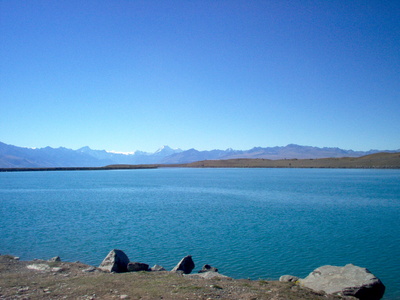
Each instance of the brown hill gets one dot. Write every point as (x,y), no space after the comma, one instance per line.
(377,161)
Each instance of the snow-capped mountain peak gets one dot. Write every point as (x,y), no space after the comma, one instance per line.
(166,150)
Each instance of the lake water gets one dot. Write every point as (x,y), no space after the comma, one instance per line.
(249,223)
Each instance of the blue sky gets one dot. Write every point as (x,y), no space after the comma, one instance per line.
(136,75)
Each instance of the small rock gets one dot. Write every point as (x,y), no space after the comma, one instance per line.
(9,256)
(90,269)
(216,287)
(137,266)
(295,288)
(54,259)
(157,268)
(24,289)
(124,297)
(288,278)
(208,268)
(116,261)
(180,273)
(39,267)
(56,269)
(207,275)
(186,265)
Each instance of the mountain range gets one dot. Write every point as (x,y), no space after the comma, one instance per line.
(20,157)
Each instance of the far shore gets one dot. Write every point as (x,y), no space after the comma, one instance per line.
(114,167)
(373,161)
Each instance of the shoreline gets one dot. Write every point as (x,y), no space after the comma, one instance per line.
(42,279)
(117,167)
(56,279)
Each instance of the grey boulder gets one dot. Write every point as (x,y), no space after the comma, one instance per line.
(349,280)
(186,265)
(116,261)
(288,278)
(55,259)
(137,266)
(208,268)
(157,268)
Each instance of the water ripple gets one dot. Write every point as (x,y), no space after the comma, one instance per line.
(259,223)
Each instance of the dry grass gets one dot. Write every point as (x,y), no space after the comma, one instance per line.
(68,281)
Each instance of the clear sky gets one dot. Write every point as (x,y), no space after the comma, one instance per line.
(135,75)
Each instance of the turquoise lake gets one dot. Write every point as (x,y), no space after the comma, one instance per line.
(249,223)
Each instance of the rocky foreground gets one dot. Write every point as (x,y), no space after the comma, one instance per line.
(119,278)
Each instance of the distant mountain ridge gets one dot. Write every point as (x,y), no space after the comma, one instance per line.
(20,157)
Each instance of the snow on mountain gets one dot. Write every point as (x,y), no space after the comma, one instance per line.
(166,150)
